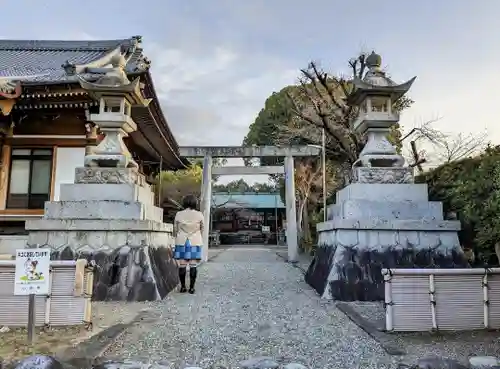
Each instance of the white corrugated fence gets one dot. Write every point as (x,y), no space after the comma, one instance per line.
(68,302)
(418,300)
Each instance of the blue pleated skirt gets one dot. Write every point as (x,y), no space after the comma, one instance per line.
(187,252)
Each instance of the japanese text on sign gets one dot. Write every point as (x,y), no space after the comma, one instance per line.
(32,272)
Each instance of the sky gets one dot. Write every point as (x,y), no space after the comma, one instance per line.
(214,62)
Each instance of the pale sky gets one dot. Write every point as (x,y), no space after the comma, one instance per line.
(215,62)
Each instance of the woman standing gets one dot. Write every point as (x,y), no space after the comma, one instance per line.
(188,230)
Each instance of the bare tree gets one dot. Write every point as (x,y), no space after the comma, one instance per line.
(459,146)
(308,186)
(442,147)
(318,103)
(422,132)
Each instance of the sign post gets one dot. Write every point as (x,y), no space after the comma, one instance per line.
(32,279)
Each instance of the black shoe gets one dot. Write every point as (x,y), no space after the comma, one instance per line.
(191,291)
(183,290)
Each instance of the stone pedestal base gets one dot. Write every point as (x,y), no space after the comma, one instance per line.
(108,216)
(348,264)
(376,226)
(134,258)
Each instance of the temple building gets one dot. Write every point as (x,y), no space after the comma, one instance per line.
(248,217)
(44,121)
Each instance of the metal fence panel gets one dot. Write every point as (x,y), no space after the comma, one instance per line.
(61,307)
(442,299)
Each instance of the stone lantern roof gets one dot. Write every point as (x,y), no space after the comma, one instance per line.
(376,83)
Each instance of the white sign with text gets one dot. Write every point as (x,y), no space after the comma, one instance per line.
(32,272)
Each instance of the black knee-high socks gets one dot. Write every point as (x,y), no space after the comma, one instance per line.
(193,272)
(182,277)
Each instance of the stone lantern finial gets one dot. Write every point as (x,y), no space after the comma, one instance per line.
(373,60)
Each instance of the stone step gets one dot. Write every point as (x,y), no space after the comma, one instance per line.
(106,191)
(411,210)
(381,224)
(83,225)
(383,192)
(107,210)
(98,240)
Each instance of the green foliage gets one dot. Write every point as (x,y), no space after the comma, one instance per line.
(471,188)
(176,185)
(395,136)
(265,129)
(241,185)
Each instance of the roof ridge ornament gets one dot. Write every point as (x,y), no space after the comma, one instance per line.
(10,86)
(10,89)
(131,51)
(115,75)
(114,81)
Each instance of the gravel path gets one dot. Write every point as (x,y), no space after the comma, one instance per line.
(249,303)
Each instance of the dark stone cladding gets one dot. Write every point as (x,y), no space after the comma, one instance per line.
(360,270)
(129,273)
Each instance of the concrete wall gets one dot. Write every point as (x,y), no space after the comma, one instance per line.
(67,160)
(9,244)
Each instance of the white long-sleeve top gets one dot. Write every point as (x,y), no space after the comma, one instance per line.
(188,224)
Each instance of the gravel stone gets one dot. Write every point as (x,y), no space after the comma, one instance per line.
(263,362)
(4,329)
(249,304)
(483,362)
(126,364)
(39,362)
(438,363)
(294,366)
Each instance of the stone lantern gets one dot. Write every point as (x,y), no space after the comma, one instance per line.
(108,214)
(374,96)
(116,96)
(383,219)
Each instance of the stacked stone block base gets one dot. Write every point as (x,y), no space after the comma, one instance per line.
(108,216)
(374,226)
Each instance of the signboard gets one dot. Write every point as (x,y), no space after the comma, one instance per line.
(266,229)
(32,272)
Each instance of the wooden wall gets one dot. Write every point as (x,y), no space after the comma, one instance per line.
(69,125)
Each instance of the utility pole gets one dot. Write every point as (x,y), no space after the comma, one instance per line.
(323,168)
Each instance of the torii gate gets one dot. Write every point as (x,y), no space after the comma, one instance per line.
(288,152)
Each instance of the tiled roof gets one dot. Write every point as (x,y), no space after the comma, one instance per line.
(39,61)
(247,200)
